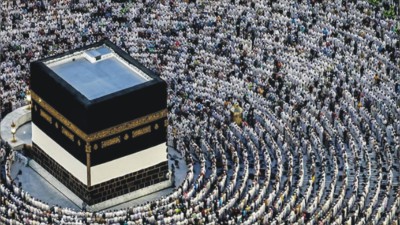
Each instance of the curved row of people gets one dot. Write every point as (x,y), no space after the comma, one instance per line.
(318,84)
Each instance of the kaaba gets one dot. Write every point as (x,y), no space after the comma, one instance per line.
(99,122)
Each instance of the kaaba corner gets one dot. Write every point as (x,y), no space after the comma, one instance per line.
(99,122)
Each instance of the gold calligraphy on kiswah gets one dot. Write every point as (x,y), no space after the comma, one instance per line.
(141,131)
(103,133)
(46,116)
(111,141)
(67,133)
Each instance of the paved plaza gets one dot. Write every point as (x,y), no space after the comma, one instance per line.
(40,188)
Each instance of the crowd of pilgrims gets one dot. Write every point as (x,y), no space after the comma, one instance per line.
(315,83)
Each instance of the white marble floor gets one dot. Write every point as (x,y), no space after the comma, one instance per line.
(40,188)
(24,133)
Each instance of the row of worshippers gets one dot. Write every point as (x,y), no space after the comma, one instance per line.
(294,64)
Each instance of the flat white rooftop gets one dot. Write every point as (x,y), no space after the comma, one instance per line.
(97,72)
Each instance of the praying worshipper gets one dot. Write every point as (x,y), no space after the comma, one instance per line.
(314,85)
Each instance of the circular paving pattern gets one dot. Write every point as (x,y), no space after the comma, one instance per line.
(289,110)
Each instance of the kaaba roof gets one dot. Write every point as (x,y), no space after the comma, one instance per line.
(95,86)
(97,71)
